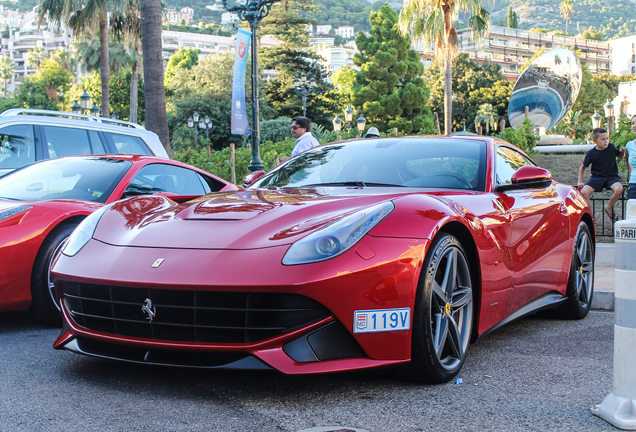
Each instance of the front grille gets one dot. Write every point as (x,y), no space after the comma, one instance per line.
(188,316)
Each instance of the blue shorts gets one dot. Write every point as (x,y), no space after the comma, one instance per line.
(631,192)
(600,183)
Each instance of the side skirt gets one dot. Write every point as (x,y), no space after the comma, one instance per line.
(546,301)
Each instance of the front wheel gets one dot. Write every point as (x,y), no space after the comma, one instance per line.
(44,302)
(442,315)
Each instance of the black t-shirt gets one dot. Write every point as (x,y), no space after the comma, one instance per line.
(603,161)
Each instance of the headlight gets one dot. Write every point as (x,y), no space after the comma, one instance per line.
(336,238)
(13,211)
(84,232)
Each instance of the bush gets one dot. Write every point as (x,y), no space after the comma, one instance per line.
(524,137)
(219,161)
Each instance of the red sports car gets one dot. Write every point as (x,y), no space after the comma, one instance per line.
(358,254)
(41,204)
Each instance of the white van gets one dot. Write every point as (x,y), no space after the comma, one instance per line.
(29,135)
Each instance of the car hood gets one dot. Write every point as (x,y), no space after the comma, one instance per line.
(247,219)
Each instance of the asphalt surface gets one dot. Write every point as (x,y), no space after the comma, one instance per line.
(533,375)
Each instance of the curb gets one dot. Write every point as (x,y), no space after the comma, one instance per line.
(603,300)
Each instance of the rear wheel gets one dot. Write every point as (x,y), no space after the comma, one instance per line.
(443,314)
(45,304)
(581,280)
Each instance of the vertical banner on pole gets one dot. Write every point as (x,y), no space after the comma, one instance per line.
(240,125)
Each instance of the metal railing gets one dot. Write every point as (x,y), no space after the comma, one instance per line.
(604,225)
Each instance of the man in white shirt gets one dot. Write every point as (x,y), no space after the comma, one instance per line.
(301,130)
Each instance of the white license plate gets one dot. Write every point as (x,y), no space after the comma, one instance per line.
(381,320)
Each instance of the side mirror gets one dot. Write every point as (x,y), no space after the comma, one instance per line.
(252,177)
(527,177)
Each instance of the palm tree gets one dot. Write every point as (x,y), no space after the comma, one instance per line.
(88,52)
(66,58)
(35,57)
(488,115)
(155,92)
(432,21)
(84,17)
(126,25)
(6,71)
(566,7)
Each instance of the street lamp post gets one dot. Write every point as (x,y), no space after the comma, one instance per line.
(303,88)
(253,12)
(609,114)
(208,126)
(196,123)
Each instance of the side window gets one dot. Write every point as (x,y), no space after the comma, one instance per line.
(96,143)
(128,144)
(64,141)
(507,162)
(17,146)
(167,178)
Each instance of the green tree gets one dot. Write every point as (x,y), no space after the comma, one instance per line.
(45,88)
(183,59)
(84,18)
(287,22)
(567,8)
(497,94)
(592,96)
(592,34)
(6,71)
(432,21)
(126,26)
(389,88)
(513,18)
(487,116)
(468,76)
(343,80)
(35,57)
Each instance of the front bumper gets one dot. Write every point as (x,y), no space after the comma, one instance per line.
(379,273)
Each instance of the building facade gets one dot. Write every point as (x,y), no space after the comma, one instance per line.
(624,55)
(511,48)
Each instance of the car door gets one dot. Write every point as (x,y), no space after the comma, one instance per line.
(539,234)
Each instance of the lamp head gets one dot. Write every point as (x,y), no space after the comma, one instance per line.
(361,123)
(190,122)
(95,110)
(85,100)
(596,120)
(348,112)
(337,124)
(195,117)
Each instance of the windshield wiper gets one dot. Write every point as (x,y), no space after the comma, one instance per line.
(354,183)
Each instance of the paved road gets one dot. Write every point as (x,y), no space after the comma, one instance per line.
(534,375)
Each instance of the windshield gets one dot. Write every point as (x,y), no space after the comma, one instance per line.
(398,162)
(88,179)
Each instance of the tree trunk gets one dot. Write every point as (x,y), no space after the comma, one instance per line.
(104,66)
(155,92)
(448,74)
(134,79)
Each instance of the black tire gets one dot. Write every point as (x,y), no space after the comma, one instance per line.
(580,288)
(45,304)
(442,314)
